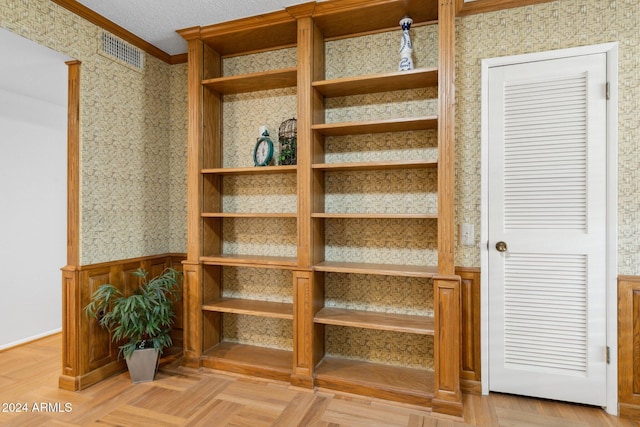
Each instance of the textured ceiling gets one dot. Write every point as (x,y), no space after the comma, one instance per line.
(156,21)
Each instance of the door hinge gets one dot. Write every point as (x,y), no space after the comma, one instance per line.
(608,91)
(608,355)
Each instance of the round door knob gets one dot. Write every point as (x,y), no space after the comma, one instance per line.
(501,246)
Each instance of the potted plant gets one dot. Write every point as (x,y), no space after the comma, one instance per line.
(142,320)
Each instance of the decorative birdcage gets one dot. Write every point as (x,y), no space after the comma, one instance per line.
(288,138)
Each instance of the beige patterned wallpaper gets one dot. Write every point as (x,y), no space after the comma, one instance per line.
(391,348)
(132,136)
(386,294)
(554,25)
(266,284)
(261,284)
(378,53)
(177,160)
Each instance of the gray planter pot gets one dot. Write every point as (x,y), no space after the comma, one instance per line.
(143,365)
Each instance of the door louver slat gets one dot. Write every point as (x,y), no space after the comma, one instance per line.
(546,297)
(546,134)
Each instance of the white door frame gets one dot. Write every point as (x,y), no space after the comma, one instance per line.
(611,50)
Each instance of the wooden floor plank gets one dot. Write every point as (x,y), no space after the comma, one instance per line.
(294,412)
(190,397)
(315,411)
(217,410)
(128,415)
(511,417)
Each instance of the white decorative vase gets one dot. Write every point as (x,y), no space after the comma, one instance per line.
(406,49)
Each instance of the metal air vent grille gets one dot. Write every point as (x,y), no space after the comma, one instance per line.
(122,50)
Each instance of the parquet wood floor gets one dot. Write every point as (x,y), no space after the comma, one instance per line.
(186,397)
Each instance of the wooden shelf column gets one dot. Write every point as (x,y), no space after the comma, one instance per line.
(305,291)
(447,297)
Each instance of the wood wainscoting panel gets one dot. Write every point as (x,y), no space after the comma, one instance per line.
(470,374)
(97,349)
(629,345)
(88,355)
(447,398)
(70,332)
(307,301)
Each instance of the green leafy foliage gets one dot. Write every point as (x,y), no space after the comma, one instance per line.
(288,151)
(145,317)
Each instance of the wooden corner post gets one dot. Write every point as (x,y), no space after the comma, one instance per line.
(71,306)
(192,287)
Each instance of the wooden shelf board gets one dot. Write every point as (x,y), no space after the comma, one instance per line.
(266,80)
(256,33)
(257,170)
(336,20)
(248,215)
(373,216)
(384,82)
(381,269)
(399,164)
(376,126)
(250,360)
(250,261)
(408,385)
(412,324)
(276,310)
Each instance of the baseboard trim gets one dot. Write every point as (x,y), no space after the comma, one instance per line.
(447,408)
(29,340)
(470,373)
(628,410)
(471,387)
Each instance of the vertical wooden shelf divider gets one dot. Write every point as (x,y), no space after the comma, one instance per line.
(447,293)
(192,295)
(303,286)
(308,27)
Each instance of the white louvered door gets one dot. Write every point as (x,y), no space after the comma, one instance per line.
(547,192)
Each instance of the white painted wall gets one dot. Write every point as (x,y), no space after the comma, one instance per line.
(33,165)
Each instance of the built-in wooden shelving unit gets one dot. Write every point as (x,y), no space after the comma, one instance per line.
(309,28)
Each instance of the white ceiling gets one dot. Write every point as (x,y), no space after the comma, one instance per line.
(156,21)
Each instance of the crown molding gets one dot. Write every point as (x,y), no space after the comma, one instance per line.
(483,6)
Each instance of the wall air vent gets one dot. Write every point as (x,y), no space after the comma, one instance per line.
(121,50)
